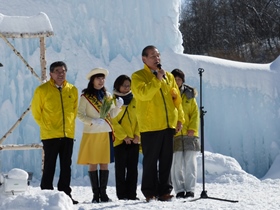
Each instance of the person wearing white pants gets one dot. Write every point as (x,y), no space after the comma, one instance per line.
(186,142)
(184,171)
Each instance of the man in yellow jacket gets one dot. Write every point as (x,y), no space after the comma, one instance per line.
(54,108)
(159,117)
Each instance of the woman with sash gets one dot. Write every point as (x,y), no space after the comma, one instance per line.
(127,141)
(97,140)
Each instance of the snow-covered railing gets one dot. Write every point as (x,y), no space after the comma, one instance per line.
(25,26)
(38,26)
(20,146)
(25,147)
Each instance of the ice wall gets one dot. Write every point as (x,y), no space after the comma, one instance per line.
(241,100)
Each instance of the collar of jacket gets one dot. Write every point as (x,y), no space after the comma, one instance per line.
(127,97)
(53,83)
(146,68)
(121,94)
(189,91)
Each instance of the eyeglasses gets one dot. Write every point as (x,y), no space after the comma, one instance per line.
(126,86)
(59,72)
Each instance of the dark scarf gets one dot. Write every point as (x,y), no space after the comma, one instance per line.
(100,95)
(127,97)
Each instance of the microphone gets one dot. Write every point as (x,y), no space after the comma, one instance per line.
(159,66)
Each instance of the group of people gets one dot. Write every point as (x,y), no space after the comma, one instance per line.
(154,112)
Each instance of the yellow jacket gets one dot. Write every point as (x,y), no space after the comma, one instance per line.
(190,110)
(156,109)
(55,111)
(129,124)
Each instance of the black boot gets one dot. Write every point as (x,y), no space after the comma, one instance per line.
(93,176)
(103,178)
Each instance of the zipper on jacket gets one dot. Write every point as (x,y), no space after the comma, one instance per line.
(129,117)
(62,108)
(167,120)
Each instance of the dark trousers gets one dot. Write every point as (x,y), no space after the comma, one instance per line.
(126,170)
(62,147)
(157,147)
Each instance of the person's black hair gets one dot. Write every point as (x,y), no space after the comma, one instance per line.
(146,49)
(57,64)
(90,90)
(178,73)
(119,81)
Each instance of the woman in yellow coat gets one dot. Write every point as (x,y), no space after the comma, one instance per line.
(97,132)
(186,142)
(126,144)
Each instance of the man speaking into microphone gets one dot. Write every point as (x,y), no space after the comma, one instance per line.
(159,114)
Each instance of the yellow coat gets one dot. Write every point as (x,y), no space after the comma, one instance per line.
(190,111)
(54,113)
(129,125)
(156,109)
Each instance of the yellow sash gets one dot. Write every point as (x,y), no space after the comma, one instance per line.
(97,105)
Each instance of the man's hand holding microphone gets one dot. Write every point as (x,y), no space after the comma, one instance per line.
(160,72)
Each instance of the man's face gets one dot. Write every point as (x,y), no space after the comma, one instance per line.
(152,59)
(58,75)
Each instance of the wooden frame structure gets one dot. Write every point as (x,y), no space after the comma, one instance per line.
(23,27)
